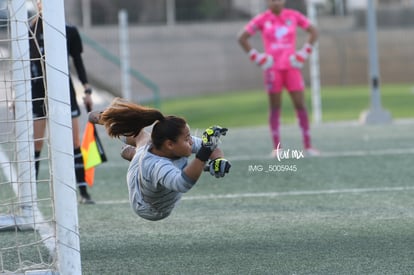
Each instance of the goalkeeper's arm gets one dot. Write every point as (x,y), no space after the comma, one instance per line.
(263,60)
(313,34)
(299,58)
(194,169)
(244,41)
(217,153)
(207,150)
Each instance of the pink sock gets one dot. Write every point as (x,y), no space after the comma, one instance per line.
(302,116)
(274,118)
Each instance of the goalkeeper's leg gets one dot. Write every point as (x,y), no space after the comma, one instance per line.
(298,100)
(273,80)
(39,122)
(132,143)
(128,152)
(274,122)
(39,126)
(274,117)
(295,85)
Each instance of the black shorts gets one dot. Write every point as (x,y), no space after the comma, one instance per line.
(39,105)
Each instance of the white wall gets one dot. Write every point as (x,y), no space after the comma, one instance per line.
(253,6)
(356,4)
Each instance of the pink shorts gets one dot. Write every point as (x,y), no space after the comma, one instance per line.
(276,80)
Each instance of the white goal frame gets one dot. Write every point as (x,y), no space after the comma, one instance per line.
(61,234)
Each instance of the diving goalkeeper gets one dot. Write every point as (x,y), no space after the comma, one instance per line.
(159,171)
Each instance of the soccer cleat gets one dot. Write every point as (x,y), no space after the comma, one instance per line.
(312,152)
(94,117)
(86,199)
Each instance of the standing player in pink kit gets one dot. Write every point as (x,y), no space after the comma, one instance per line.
(281,63)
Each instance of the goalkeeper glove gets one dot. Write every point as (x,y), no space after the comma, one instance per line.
(263,60)
(298,59)
(210,140)
(219,167)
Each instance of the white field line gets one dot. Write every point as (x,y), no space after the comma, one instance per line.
(332,154)
(355,153)
(44,229)
(285,194)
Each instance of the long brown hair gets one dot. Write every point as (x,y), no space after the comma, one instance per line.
(123,118)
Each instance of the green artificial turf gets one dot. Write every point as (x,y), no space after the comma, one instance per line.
(249,108)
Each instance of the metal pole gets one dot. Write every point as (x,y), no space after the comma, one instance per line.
(257,6)
(124,53)
(375,114)
(315,70)
(86,14)
(339,5)
(170,12)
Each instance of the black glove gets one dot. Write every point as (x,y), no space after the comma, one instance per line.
(219,167)
(210,140)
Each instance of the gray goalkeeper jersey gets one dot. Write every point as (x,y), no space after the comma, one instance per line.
(156,183)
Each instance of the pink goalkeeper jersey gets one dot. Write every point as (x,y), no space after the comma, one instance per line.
(278,33)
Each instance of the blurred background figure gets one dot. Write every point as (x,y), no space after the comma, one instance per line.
(75,49)
(281,63)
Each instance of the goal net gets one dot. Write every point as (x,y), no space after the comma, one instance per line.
(38,216)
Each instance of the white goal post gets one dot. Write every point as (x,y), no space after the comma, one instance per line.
(39,231)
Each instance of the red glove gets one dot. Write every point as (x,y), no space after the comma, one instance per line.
(263,60)
(299,58)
